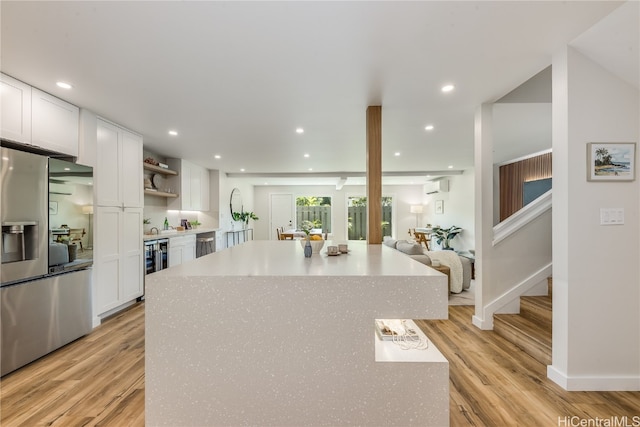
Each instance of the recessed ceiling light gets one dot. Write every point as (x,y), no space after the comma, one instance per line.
(448,88)
(67,169)
(306,155)
(299,130)
(64,85)
(450,166)
(428,127)
(266,183)
(310,169)
(397,153)
(241,169)
(173,133)
(217,156)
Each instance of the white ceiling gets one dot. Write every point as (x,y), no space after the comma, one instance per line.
(237,78)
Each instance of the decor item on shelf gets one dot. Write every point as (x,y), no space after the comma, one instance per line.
(444,235)
(195,223)
(151,161)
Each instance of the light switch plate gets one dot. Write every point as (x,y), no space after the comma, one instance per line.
(611,216)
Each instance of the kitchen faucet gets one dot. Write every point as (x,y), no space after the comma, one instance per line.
(154,228)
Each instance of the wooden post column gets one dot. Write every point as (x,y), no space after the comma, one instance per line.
(374,175)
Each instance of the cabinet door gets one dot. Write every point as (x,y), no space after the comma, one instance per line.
(15,110)
(107,173)
(175,255)
(132,253)
(189,252)
(195,188)
(107,259)
(54,123)
(131,172)
(204,190)
(199,188)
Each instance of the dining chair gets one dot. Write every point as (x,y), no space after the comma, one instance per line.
(286,236)
(76,235)
(279,232)
(421,238)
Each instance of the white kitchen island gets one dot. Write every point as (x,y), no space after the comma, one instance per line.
(260,335)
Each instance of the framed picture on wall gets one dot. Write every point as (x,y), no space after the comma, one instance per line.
(439,206)
(611,161)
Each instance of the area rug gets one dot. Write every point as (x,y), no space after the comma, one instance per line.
(466,297)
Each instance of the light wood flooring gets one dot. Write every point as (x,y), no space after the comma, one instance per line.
(99,381)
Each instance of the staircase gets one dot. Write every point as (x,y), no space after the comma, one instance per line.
(531,329)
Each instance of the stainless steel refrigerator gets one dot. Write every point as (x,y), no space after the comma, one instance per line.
(45,299)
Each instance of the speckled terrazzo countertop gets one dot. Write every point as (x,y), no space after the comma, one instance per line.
(260,335)
(286,258)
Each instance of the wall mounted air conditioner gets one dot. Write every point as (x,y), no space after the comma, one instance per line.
(439,186)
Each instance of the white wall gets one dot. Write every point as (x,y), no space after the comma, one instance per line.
(596,296)
(458,209)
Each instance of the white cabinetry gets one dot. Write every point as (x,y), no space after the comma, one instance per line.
(119,172)
(182,249)
(191,184)
(15,121)
(31,116)
(54,123)
(119,257)
(119,252)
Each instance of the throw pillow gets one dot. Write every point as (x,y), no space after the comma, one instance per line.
(410,248)
(389,241)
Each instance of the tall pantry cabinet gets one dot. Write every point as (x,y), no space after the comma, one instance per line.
(119,256)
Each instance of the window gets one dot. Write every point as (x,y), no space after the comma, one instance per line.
(357,217)
(316,209)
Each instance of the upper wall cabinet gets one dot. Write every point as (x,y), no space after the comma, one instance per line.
(119,169)
(33,117)
(15,117)
(191,184)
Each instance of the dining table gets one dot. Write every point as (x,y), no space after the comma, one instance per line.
(302,234)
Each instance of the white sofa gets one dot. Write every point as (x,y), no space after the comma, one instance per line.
(460,267)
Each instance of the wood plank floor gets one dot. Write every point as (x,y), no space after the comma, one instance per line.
(99,381)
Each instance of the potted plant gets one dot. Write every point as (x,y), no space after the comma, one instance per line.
(444,235)
(146,223)
(195,223)
(244,217)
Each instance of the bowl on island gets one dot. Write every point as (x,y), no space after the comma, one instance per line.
(316,245)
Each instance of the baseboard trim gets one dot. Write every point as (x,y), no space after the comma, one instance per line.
(515,292)
(599,383)
(485,325)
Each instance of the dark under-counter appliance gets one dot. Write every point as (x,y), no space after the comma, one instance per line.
(155,254)
(45,299)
